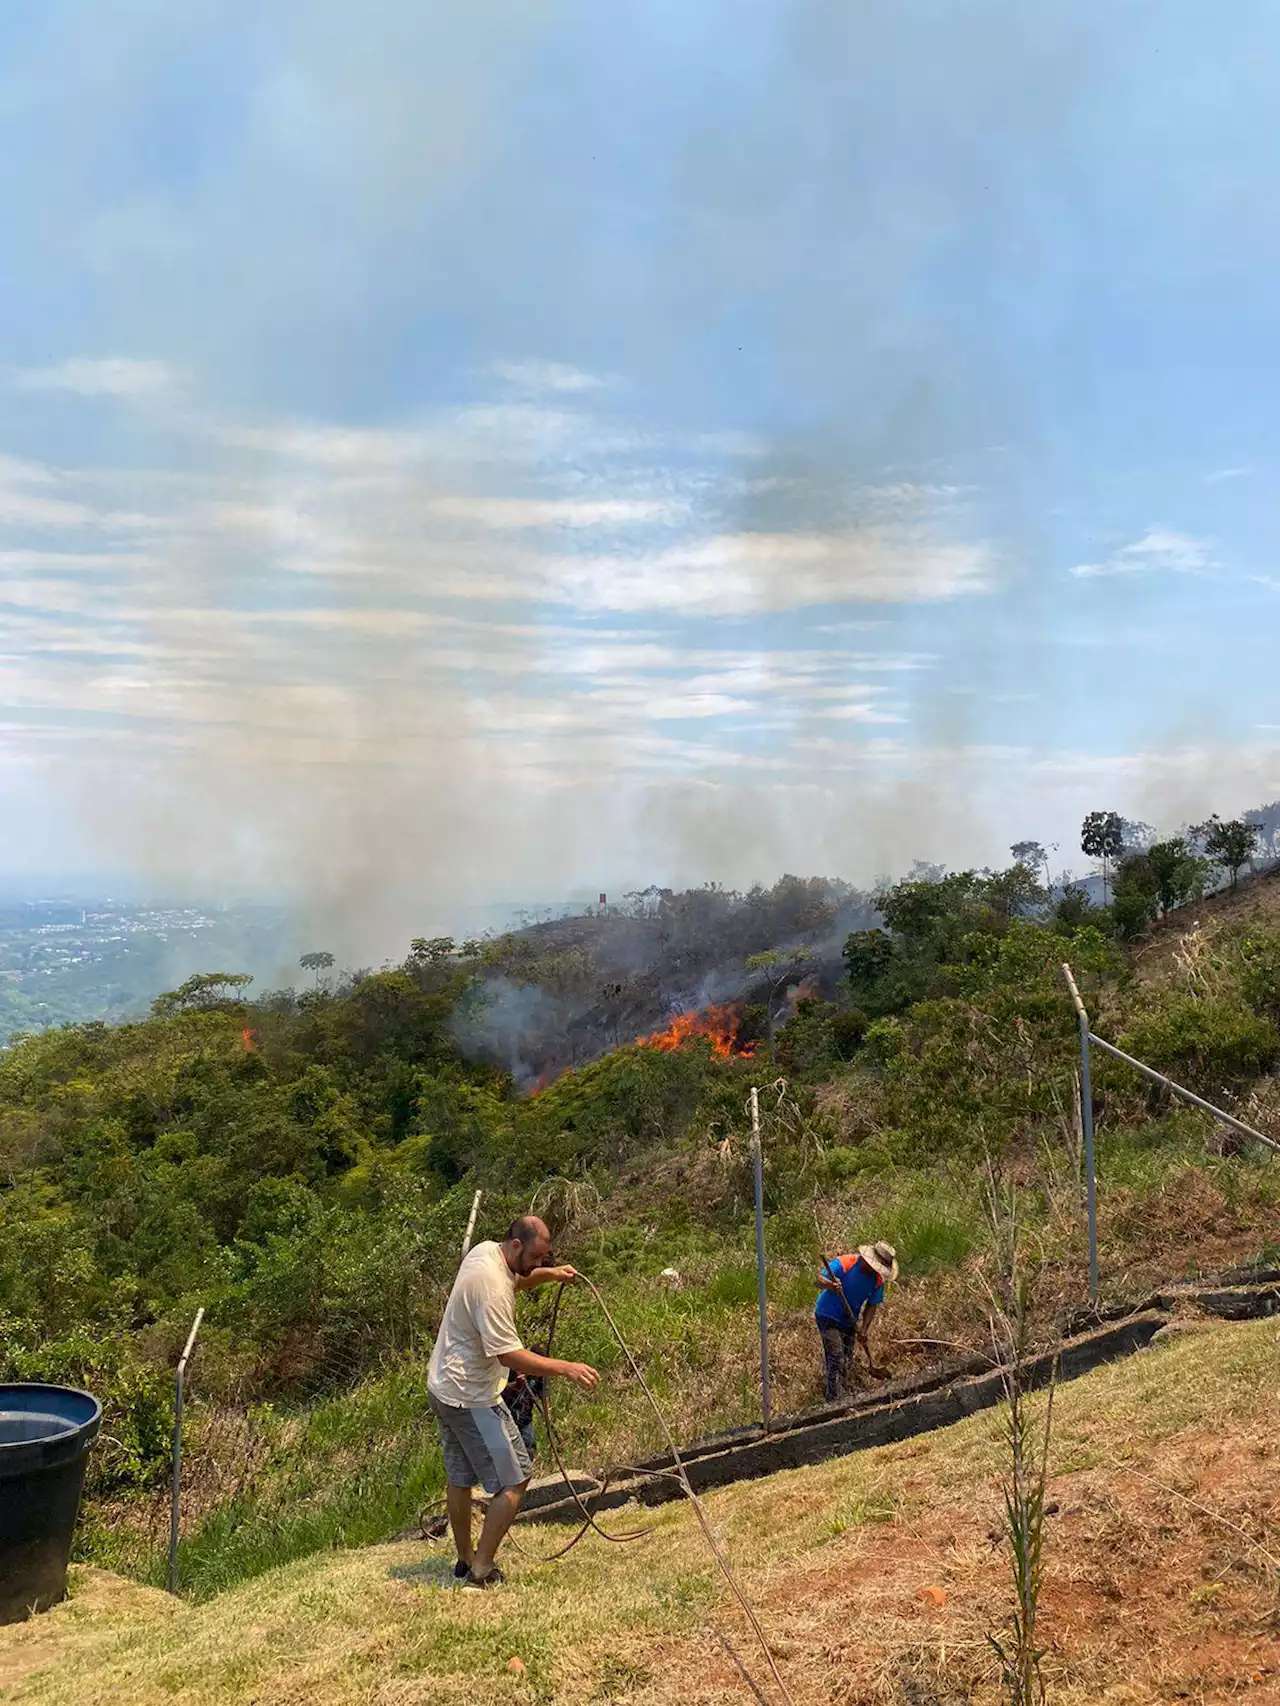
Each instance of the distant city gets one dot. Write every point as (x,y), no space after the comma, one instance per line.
(65,961)
(69,961)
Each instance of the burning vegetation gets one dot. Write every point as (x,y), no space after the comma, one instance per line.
(557,995)
(720,1023)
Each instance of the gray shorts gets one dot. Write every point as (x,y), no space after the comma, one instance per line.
(481,1447)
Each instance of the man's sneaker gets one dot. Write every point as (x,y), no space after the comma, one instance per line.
(494,1579)
(461,1571)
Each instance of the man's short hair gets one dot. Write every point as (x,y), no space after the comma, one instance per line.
(525,1230)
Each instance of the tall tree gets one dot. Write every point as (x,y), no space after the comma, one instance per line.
(868,954)
(1032,854)
(1013,893)
(1137,835)
(1135,895)
(1102,838)
(316,963)
(202,989)
(1266,820)
(1230,844)
(432,950)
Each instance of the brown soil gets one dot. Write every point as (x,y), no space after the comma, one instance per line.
(1154,1592)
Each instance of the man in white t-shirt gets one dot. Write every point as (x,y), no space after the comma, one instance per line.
(476,1345)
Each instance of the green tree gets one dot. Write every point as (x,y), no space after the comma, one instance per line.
(1102,838)
(1230,844)
(201,990)
(1179,874)
(1073,907)
(1136,835)
(433,950)
(868,956)
(1013,892)
(780,965)
(1033,855)
(930,912)
(1266,820)
(316,963)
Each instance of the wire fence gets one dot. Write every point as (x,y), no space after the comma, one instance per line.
(348,1459)
(341,1452)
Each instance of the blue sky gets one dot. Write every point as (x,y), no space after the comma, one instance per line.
(458,451)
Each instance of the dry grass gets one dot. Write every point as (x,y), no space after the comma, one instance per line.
(1162,1581)
(1173,946)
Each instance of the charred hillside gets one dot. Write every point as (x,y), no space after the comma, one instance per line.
(560,993)
(557,995)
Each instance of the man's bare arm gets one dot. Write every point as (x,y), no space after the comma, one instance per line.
(546,1276)
(529,1362)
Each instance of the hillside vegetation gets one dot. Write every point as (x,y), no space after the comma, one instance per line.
(876,1578)
(303,1165)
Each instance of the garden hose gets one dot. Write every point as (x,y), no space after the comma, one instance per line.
(678,1473)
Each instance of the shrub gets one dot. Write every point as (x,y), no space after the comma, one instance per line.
(1204,1041)
(613,1108)
(1260,978)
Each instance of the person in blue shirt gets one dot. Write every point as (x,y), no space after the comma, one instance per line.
(851,1293)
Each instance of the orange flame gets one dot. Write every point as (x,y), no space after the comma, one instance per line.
(249,1040)
(718,1022)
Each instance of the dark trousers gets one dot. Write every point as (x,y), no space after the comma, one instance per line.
(837,1354)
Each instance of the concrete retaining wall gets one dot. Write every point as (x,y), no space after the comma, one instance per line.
(899,1410)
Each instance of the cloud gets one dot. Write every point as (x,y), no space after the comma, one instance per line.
(111,376)
(546,376)
(745,572)
(1159,550)
(475,503)
(503,513)
(391,579)
(347,658)
(468,437)
(1220,474)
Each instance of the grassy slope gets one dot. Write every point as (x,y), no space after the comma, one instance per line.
(1162,1580)
(361,1466)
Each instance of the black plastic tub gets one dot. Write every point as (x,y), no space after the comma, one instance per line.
(45,1435)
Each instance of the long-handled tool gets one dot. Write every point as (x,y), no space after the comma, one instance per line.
(833,1275)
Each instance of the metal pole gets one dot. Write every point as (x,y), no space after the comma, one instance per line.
(1086,1121)
(758,1162)
(471,1222)
(172,1576)
(1187,1095)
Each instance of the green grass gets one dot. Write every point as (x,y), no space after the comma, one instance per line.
(841,1545)
(248,1537)
(361,1465)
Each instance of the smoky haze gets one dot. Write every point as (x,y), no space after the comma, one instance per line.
(503,454)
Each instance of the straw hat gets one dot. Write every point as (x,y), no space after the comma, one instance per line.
(882,1257)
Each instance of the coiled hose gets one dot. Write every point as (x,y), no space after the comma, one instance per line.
(678,1473)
